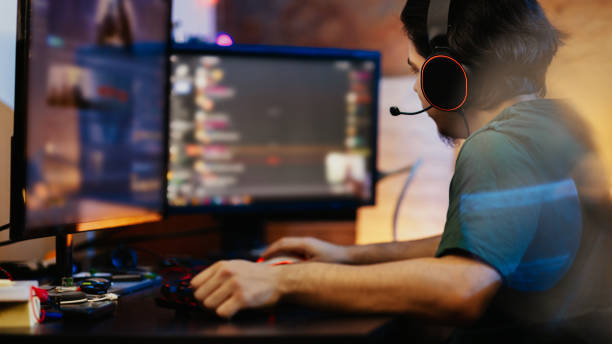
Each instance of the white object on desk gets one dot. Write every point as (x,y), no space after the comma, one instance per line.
(18,307)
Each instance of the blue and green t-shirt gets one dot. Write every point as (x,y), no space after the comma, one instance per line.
(515,204)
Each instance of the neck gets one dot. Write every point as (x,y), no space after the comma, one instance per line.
(479,118)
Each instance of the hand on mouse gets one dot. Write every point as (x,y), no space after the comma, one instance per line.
(310,249)
(230,286)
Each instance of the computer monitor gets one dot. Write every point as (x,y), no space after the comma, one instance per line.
(272,130)
(89,146)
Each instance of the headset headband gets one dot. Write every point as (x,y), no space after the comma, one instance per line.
(437,23)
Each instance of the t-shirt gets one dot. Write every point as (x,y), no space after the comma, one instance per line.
(520,201)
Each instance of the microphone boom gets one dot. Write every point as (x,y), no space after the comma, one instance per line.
(395,111)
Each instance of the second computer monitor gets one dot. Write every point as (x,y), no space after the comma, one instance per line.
(89,142)
(272,129)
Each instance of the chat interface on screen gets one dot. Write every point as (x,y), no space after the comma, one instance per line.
(250,129)
(95,111)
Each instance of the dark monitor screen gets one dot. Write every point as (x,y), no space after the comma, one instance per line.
(91,115)
(266,127)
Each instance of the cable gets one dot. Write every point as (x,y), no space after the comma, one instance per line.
(6,243)
(72,302)
(37,310)
(467,125)
(383,175)
(6,226)
(8,274)
(411,175)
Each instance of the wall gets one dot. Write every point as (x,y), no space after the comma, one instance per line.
(402,141)
(194,19)
(6,129)
(8,24)
(27,250)
(582,70)
(349,24)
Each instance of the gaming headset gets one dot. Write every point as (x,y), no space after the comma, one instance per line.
(444,80)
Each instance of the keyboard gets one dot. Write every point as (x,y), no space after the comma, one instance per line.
(178,295)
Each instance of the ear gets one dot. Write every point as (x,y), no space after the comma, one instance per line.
(444,82)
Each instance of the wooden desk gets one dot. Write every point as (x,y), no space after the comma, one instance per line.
(139,320)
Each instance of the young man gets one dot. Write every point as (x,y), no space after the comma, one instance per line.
(517,236)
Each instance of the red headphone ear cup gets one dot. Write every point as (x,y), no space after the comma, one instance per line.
(444,82)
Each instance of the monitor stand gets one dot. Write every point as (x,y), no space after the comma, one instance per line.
(64,262)
(241,234)
(63,257)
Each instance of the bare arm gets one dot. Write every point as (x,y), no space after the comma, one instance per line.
(394,251)
(321,251)
(452,289)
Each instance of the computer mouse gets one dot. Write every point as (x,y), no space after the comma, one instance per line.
(95,286)
(280,260)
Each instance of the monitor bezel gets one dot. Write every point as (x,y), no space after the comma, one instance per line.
(324,208)
(18,168)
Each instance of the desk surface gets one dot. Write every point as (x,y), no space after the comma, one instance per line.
(139,319)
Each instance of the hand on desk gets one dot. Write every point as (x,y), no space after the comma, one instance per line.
(310,249)
(230,286)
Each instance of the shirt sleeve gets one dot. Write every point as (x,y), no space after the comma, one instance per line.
(492,212)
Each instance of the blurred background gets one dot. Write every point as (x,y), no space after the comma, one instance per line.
(580,73)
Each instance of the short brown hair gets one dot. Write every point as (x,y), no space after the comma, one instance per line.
(506,44)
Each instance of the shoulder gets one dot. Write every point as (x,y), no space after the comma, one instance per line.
(492,160)
(491,147)
(485,141)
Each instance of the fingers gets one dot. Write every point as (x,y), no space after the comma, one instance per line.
(204,276)
(275,247)
(217,289)
(209,280)
(292,245)
(233,285)
(206,289)
(220,295)
(230,307)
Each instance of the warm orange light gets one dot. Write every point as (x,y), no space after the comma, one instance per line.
(208,2)
(68,240)
(126,221)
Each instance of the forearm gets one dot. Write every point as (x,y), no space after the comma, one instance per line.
(394,251)
(421,287)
